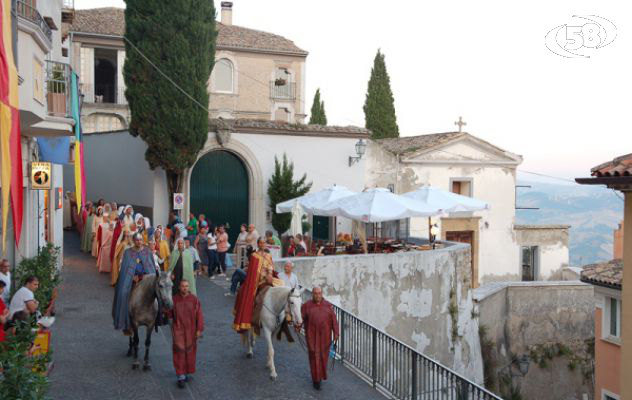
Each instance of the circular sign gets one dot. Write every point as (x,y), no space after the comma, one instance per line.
(178,201)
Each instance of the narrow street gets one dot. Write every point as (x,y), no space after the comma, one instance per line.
(91,363)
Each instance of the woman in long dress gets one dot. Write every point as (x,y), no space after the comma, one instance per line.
(96,223)
(124,244)
(241,245)
(67,211)
(162,246)
(107,229)
(181,266)
(86,237)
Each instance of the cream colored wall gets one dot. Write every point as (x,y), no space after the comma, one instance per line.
(252,74)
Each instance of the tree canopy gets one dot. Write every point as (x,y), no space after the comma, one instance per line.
(282,187)
(379,106)
(318,116)
(178,36)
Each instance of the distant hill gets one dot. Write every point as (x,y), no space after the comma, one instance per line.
(592,212)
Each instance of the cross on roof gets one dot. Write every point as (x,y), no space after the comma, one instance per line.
(460,123)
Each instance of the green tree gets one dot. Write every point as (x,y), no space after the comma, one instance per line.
(379,106)
(282,187)
(318,116)
(178,36)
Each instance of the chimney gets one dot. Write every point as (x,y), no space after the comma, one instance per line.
(227,12)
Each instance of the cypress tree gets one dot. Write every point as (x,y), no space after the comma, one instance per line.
(282,187)
(318,111)
(379,106)
(178,36)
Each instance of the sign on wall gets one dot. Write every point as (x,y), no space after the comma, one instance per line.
(41,175)
(178,201)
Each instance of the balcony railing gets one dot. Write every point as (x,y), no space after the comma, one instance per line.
(58,88)
(397,369)
(103,94)
(69,4)
(30,13)
(287,91)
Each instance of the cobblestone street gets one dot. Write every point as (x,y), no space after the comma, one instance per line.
(90,361)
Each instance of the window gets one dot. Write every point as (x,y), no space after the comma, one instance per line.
(607,395)
(222,76)
(530,263)
(461,186)
(612,318)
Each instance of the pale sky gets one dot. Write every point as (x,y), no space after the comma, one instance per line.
(485,61)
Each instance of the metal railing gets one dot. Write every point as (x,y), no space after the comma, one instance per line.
(58,88)
(25,10)
(287,91)
(103,94)
(396,368)
(69,4)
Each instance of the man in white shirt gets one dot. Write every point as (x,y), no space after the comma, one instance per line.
(288,277)
(24,299)
(5,276)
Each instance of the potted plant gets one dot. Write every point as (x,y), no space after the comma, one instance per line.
(280,82)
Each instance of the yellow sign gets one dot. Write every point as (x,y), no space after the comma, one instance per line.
(41,175)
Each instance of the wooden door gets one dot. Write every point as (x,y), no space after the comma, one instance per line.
(464,237)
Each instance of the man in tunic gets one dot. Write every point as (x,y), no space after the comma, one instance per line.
(260,274)
(181,267)
(137,262)
(320,324)
(187,327)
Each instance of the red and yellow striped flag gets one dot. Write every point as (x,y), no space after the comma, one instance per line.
(10,147)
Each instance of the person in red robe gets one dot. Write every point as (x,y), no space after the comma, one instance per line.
(4,311)
(187,327)
(118,229)
(320,325)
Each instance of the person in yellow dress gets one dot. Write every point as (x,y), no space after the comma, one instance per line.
(124,244)
(162,247)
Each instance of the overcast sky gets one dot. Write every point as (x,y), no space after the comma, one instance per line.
(486,61)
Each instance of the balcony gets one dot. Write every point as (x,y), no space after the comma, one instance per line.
(282,90)
(103,94)
(28,12)
(58,89)
(68,11)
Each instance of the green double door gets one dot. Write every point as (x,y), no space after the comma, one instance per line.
(219,190)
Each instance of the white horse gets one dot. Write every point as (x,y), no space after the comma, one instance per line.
(276,302)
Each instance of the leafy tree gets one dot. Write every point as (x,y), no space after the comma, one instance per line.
(318,116)
(45,267)
(282,187)
(379,106)
(178,36)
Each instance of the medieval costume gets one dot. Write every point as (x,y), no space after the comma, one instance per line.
(119,250)
(181,267)
(260,266)
(320,324)
(67,212)
(105,231)
(162,246)
(136,262)
(96,223)
(86,237)
(187,322)
(117,236)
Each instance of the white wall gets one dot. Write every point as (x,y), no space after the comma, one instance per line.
(552,259)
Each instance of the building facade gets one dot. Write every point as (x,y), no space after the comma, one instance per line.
(44,94)
(257,75)
(607,279)
(464,164)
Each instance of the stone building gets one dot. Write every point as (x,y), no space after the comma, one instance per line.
(257,75)
(467,165)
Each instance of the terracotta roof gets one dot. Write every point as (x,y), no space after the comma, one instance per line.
(542,226)
(620,166)
(609,274)
(111,21)
(411,144)
(279,127)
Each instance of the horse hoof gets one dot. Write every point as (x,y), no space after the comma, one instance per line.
(146,367)
(273,378)
(249,355)
(135,366)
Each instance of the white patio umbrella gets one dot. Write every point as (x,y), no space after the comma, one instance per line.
(447,201)
(377,205)
(296,226)
(315,199)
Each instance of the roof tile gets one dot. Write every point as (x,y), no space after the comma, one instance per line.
(608,273)
(620,166)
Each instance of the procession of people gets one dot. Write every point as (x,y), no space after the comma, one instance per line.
(127,246)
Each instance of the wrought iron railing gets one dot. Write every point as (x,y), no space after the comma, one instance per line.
(26,10)
(284,91)
(58,88)
(396,368)
(105,94)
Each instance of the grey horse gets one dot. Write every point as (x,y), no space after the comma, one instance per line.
(143,311)
(276,302)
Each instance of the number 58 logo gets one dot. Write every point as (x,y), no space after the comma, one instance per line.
(565,39)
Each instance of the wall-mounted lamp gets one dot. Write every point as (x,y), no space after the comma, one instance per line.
(360,150)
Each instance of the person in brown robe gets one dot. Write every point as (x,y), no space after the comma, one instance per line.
(187,327)
(320,325)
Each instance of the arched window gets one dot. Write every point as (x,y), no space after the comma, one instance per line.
(223,76)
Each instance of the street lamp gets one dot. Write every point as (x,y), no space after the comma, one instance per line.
(523,364)
(360,150)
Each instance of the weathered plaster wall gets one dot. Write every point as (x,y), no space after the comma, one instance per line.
(553,247)
(521,317)
(408,295)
